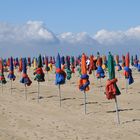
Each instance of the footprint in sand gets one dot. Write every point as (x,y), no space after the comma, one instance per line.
(38,125)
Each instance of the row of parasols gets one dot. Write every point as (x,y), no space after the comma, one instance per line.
(65,66)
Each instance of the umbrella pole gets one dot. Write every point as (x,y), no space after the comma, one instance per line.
(1,87)
(126,85)
(25,90)
(59,94)
(48,76)
(11,86)
(117,112)
(100,85)
(38,92)
(85,102)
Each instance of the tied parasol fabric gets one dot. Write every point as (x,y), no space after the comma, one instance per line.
(63,63)
(47,68)
(20,65)
(136,61)
(5,68)
(99,71)
(104,65)
(16,62)
(11,75)
(72,61)
(132,61)
(128,71)
(29,61)
(43,60)
(91,65)
(35,64)
(118,66)
(84,79)
(60,74)
(111,89)
(68,70)
(39,72)
(138,67)
(25,79)
(2,78)
(123,61)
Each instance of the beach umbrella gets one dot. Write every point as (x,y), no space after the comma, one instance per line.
(63,63)
(104,65)
(25,78)
(39,74)
(60,75)
(132,61)
(5,69)
(35,64)
(11,75)
(29,61)
(47,68)
(72,61)
(138,67)
(68,70)
(46,64)
(17,62)
(123,61)
(2,78)
(111,90)
(84,79)
(99,72)
(20,65)
(118,66)
(91,65)
(136,61)
(128,72)
(43,60)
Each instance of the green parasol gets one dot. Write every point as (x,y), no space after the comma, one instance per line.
(112,89)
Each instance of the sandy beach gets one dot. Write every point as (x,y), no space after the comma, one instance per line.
(22,119)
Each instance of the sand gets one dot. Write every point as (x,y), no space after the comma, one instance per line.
(22,119)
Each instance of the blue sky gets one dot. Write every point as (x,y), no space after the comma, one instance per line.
(69,26)
(73,15)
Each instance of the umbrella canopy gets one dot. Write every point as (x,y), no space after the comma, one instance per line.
(100,71)
(11,75)
(60,74)
(118,67)
(2,78)
(111,87)
(40,61)
(29,61)
(68,70)
(46,64)
(20,65)
(39,72)
(91,66)
(83,65)
(84,79)
(25,79)
(128,71)
(127,60)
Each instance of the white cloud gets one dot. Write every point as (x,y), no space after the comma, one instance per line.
(80,38)
(35,37)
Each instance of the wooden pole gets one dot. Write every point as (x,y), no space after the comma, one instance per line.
(59,94)
(25,92)
(117,111)
(126,86)
(85,102)
(100,85)
(38,92)
(1,86)
(11,86)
